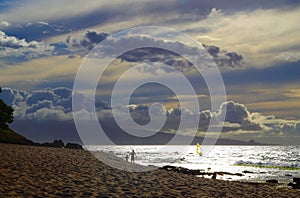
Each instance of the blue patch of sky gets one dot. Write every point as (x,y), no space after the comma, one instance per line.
(12,60)
(7,4)
(60,49)
(282,73)
(36,31)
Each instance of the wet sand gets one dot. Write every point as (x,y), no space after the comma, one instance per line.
(32,171)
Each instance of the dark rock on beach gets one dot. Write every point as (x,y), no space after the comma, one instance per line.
(296,184)
(55,143)
(73,146)
(58,144)
(183,170)
(245,171)
(197,172)
(273,181)
(296,180)
(61,144)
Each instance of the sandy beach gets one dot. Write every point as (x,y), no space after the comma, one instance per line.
(33,171)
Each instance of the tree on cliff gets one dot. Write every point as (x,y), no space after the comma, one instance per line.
(6,114)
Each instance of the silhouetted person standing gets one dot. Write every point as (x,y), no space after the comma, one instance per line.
(132,156)
(127,157)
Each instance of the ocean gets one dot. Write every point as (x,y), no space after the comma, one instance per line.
(261,163)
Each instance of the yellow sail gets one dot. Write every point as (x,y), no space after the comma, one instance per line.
(199,149)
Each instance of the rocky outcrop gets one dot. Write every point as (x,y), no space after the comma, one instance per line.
(197,172)
(296,183)
(73,146)
(60,144)
(55,143)
(273,181)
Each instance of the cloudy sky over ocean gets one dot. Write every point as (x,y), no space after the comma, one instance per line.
(255,44)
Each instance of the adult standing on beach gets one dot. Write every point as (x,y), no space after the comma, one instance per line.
(132,155)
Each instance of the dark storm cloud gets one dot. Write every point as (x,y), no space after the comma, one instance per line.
(238,114)
(221,57)
(88,41)
(156,55)
(235,113)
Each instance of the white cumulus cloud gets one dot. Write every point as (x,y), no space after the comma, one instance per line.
(11,46)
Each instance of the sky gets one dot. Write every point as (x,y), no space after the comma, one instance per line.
(254,44)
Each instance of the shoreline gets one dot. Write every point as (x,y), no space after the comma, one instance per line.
(230,164)
(44,171)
